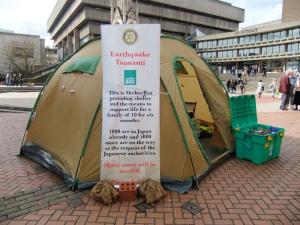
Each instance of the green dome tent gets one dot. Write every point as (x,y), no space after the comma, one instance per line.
(64,130)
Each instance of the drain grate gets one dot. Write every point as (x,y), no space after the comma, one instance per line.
(191,207)
(73,203)
(142,207)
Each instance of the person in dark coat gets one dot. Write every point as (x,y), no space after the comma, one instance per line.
(228,85)
(293,80)
(284,88)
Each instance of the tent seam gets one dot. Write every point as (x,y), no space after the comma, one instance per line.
(180,127)
(83,150)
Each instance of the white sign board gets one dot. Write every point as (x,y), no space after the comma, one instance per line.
(130,149)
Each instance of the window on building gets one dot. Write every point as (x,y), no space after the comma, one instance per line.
(234,41)
(251,51)
(224,42)
(229,54)
(220,55)
(289,49)
(256,51)
(242,40)
(224,54)
(270,36)
(246,52)
(247,40)
(275,49)
(295,47)
(264,51)
(229,42)
(269,50)
(296,32)
(282,48)
(214,54)
(265,37)
(205,44)
(240,52)
(283,34)
(234,53)
(276,35)
(209,44)
(219,43)
(252,39)
(214,44)
(257,38)
(200,45)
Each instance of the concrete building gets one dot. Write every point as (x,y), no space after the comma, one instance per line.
(290,10)
(51,56)
(74,22)
(18,51)
(275,44)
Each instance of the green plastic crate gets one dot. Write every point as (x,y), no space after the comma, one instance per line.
(255,147)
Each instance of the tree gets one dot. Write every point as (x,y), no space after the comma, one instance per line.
(22,54)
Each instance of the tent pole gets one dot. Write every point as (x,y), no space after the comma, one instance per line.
(194,171)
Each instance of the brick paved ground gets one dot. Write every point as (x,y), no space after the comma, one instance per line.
(237,192)
(18,174)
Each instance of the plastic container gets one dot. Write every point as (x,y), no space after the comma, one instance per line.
(255,142)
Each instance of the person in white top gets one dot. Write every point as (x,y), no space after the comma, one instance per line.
(296,101)
(7,79)
(260,88)
(273,88)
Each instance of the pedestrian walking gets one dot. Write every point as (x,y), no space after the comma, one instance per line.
(20,77)
(260,88)
(14,79)
(273,88)
(264,71)
(228,85)
(7,79)
(293,80)
(233,86)
(242,86)
(296,100)
(284,88)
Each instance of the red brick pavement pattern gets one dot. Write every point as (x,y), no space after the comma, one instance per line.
(237,193)
(17,174)
(267,99)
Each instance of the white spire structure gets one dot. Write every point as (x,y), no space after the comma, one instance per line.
(124,12)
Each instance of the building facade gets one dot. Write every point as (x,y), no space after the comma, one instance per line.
(51,56)
(290,10)
(274,45)
(74,22)
(21,52)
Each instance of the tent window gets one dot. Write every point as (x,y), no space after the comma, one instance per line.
(86,64)
(191,106)
(180,68)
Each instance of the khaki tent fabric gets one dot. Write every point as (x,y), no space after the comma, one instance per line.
(192,92)
(66,121)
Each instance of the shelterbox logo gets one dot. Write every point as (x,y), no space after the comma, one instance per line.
(129,77)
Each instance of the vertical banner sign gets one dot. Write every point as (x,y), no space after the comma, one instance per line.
(130,149)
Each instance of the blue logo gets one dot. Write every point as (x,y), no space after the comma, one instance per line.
(129,77)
